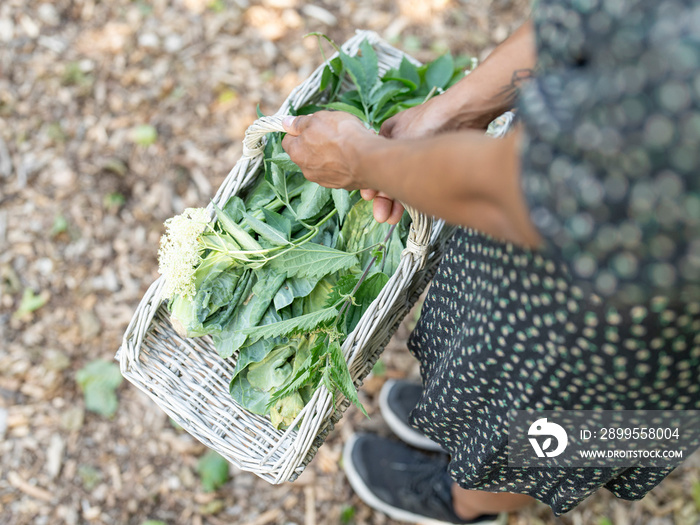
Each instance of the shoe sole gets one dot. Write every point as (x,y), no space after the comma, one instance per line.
(366,495)
(400,428)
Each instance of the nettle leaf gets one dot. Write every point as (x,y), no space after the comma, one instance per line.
(342,288)
(439,72)
(313,260)
(347,108)
(365,295)
(302,323)
(313,198)
(340,375)
(341,199)
(212,470)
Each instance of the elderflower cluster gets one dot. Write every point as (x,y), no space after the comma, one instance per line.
(179,250)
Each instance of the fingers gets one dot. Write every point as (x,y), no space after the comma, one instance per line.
(368,195)
(388,127)
(381,208)
(396,213)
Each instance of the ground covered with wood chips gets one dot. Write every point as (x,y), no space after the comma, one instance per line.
(114,116)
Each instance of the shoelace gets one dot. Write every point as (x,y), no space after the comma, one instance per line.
(429,482)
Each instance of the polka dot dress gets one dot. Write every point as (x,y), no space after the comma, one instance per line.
(607,314)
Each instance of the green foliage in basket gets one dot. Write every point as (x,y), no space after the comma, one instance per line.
(285,273)
(375,98)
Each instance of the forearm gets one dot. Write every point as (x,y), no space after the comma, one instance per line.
(491,88)
(464,177)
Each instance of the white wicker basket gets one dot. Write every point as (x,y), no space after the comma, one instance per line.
(190,382)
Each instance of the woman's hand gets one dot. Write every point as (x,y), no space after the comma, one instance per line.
(328,146)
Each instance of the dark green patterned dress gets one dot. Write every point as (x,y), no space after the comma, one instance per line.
(607,314)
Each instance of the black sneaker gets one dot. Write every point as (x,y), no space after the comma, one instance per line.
(396,400)
(404,483)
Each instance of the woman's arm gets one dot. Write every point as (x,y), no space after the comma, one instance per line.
(473,102)
(478,98)
(462,177)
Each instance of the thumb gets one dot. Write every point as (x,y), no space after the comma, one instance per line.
(295,125)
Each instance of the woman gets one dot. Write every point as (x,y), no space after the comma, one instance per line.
(573,281)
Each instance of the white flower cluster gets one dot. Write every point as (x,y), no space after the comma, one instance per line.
(179,252)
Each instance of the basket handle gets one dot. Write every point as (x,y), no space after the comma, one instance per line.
(418,239)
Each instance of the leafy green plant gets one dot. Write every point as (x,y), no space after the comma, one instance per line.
(376,98)
(695,491)
(60,225)
(30,302)
(144,135)
(212,470)
(347,514)
(284,273)
(99,381)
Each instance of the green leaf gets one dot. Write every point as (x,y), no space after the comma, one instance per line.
(696,494)
(99,380)
(406,74)
(313,198)
(235,207)
(347,108)
(439,72)
(284,162)
(384,93)
(347,514)
(266,231)
(341,199)
(154,522)
(302,323)
(341,376)
(212,470)
(252,399)
(293,288)
(366,293)
(272,371)
(363,70)
(279,222)
(144,135)
(313,260)
(342,289)
(30,302)
(242,237)
(326,77)
(368,60)
(249,314)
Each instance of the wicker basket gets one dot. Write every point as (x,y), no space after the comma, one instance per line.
(188,379)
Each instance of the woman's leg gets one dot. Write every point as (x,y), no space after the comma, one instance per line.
(469,504)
